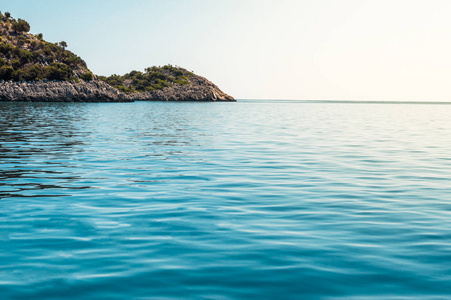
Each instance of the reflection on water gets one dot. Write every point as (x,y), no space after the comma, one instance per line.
(255,199)
(37,141)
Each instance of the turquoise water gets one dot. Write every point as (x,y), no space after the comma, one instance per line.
(247,200)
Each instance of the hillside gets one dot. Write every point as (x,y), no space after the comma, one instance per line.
(167,83)
(28,57)
(33,69)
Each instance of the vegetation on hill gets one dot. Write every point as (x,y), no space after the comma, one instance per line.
(27,57)
(153,78)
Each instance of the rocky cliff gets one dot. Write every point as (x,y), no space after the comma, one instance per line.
(61,91)
(199,89)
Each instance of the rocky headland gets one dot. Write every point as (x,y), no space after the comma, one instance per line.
(32,69)
(197,89)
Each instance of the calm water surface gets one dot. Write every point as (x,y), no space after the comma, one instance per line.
(247,200)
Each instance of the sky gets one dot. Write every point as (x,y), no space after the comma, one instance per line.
(264,49)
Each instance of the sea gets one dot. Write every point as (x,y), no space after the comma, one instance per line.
(258,199)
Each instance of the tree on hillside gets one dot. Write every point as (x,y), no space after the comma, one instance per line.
(6,72)
(7,15)
(20,26)
(87,76)
(63,44)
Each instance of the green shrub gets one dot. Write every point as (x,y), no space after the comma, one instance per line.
(35,72)
(25,56)
(16,64)
(33,45)
(154,78)
(74,79)
(86,76)
(20,26)
(21,40)
(182,82)
(6,72)
(58,71)
(6,49)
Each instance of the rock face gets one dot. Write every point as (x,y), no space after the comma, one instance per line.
(60,91)
(198,89)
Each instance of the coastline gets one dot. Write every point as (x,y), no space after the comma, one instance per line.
(199,90)
(60,91)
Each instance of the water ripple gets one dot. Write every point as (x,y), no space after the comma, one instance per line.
(286,200)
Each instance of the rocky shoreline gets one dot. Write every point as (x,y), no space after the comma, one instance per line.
(60,91)
(199,89)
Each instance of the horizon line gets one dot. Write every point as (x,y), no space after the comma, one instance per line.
(353,101)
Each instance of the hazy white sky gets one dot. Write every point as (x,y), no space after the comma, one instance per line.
(268,49)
